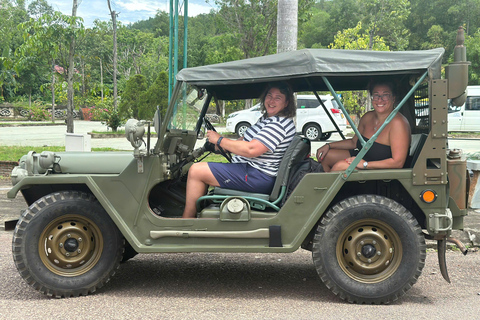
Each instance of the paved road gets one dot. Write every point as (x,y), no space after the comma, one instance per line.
(238,286)
(55,136)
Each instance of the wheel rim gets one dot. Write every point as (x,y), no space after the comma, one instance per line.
(70,245)
(311,133)
(242,130)
(369,251)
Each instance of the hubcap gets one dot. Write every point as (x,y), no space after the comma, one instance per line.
(70,245)
(311,133)
(369,251)
(241,130)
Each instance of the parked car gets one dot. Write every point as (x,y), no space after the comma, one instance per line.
(239,121)
(366,229)
(467,116)
(311,121)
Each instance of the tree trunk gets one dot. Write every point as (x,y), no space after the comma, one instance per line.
(114,22)
(53,91)
(287,25)
(101,79)
(71,71)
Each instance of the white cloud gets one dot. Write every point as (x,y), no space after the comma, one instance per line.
(140,5)
(129,10)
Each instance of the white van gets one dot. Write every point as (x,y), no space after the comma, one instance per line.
(466,117)
(311,120)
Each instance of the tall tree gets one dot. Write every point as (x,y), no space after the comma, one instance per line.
(386,19)
(49,38)
(287,25)
(113,14)
(71,72)
(356,39)
(252,22)
(11,38)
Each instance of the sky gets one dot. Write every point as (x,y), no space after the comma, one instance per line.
(129,10)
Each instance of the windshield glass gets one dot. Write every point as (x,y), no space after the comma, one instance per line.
(186,108)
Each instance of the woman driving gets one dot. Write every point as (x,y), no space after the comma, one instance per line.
(258,153)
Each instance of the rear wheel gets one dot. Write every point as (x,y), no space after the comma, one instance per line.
(242,128)
(369,249)
(312,131)
(65,245)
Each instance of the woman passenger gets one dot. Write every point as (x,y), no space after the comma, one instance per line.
(389,150)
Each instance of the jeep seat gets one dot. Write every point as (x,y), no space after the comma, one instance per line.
(298,150)
(416,145)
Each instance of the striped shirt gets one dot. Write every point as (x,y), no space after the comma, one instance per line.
(275,133)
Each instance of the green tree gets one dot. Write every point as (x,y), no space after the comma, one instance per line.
(386,19)
(132,98)
(315,31)
(51,38)
(252,22)
(11,38)
(353,39)
(448,14)
(473,55)
(436,37)
(156,95)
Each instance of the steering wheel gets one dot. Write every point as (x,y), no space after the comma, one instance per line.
(224,152)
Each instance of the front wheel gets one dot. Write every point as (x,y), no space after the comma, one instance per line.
(312,131)
(242,128)
(66,245)
(369,249)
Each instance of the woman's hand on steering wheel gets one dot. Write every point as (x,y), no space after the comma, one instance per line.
(224,152)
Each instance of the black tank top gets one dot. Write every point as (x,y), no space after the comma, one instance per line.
(377,151)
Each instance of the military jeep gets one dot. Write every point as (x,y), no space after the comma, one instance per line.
(366,229)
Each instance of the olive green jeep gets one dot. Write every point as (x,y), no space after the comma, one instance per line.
(366,229)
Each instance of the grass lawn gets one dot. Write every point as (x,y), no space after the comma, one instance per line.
(14,153)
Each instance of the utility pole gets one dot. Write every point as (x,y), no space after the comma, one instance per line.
(174,41)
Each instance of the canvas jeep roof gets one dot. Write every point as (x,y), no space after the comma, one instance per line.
(303,69)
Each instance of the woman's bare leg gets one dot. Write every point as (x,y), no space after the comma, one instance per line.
(199,178)
(332,157)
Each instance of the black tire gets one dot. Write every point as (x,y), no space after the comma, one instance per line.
(241,128)
(50,247)
(312,131)
(326,136)
(369,227)
(129,252)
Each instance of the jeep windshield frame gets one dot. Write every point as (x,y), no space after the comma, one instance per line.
(308,70)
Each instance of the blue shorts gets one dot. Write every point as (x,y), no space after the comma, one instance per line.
(242,176)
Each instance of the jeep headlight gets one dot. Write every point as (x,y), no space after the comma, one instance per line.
(134,131)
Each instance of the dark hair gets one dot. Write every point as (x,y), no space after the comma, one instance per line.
(379,81)
(291,109)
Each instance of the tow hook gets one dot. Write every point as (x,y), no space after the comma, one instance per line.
(442,260)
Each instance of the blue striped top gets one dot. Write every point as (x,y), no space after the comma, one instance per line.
(275,133)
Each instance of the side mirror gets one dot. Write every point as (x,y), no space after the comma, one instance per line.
(157,120)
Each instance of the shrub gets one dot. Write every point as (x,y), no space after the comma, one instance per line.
(112,119)
(38,112)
